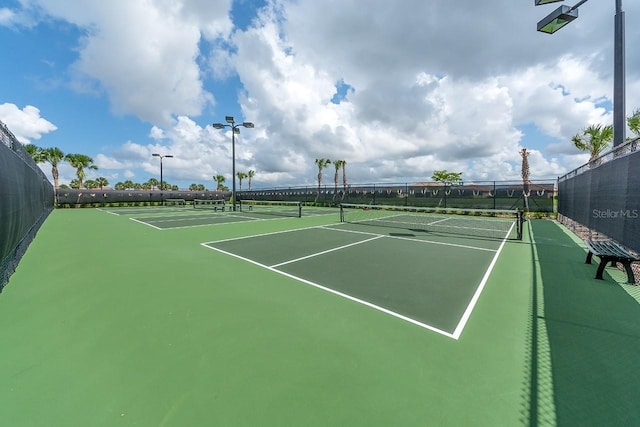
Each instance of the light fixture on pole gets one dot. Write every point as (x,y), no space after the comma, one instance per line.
(161,185)
(235,128)
(564,15)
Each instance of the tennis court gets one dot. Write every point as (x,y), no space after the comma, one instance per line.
(415,278)
(208,214)
(328,319)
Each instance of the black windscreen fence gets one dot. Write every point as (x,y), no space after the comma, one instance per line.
(26,199)
(604,195)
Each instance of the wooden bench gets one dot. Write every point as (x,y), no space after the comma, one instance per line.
(610,252)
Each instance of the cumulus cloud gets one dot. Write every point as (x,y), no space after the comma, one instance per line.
(26,123)
(416,92)
(143,54)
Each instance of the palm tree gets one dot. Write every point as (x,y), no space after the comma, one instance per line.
(594,139)
(102,182)
(337,164)
(250,175)
(54,156)
(633,122)
(75,184)
(80,162)
(241,176)
(220,179)
(128,184)
(344,175)
(36,153)
(90,184)
(321,163)
(153,183)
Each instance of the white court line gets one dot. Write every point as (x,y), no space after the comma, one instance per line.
(412,239)
(326,252)
(112,213)
(266,234)
(464,318)
(338,293)
(467,313)
(146,223)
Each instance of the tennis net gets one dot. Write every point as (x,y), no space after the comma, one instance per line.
(272,207)
(499,224)
(215,204)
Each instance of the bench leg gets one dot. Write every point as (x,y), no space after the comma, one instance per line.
(589,256)
(630,277)
(601,267)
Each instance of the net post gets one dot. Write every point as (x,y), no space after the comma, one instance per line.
(300,210)
(341,213)
(519,224)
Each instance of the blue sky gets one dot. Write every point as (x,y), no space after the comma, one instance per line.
(395,94)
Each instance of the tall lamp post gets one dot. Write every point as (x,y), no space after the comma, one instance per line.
(161,186)
(235,128)
(565,14)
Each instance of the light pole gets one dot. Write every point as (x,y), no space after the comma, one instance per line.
(235,128)
(161,187)
(565,14)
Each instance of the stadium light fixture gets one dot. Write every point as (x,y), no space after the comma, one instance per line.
(540,2)
(557,19)
(563,16)
(235,129)
(161,186)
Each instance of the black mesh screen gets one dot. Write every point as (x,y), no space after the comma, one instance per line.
(26,199)
(604,196)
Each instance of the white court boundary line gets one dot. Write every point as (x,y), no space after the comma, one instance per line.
(463,319)
(335,292)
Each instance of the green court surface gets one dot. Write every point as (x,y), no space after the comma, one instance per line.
(153,317)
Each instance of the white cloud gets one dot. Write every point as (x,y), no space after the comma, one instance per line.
(142,54)
(425,93)
(26,124)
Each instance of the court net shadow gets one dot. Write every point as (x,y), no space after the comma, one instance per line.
(590,341)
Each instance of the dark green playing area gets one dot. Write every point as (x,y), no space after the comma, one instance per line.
(175,316)
(416,278)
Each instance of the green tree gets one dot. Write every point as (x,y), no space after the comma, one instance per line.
(446,177)
(128,184)
(219,179)
(153,183)
(90,184)
(321,164)
(119,186)
(193,187)
(102,182)
(338,165)
(80,162)
(75,184)
(36,153)
(594,139)
(54,156)
(174,188)
(250,175)
(633,122)
(241,176)
(344,175)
